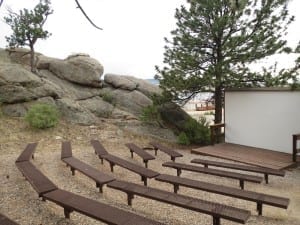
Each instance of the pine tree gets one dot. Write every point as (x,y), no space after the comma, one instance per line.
(215,42)
(27,27)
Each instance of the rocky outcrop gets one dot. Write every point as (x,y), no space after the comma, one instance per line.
(20,85)
(74,86)
(80,69)
(132,83)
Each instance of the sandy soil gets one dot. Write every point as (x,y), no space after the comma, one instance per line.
(19,201)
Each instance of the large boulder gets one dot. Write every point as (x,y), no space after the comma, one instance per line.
(21,55)
(20,85)
(73,112)
(130,101)
(80,69)
(132,83)
(98,106)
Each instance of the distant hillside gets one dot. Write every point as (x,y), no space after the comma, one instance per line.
(153,81)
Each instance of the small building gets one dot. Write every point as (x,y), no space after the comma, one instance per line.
(262,117)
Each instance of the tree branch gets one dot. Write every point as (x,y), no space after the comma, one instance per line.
(1,1)
(86,16)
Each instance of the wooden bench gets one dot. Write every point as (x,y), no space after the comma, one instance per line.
(72,202)
(166,150)
(38,181)
(75,164)
(140,152)
(143,172)
(265,171)
(241,177)
(217,211)
(6,221)
(99,149)
(259,198)
(94,209)
(27,153)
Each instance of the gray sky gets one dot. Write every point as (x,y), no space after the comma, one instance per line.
(133,37)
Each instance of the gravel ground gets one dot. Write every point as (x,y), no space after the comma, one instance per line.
(19,201)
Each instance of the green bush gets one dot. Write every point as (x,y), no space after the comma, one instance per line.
(197,132)
(183,139)
(42,116)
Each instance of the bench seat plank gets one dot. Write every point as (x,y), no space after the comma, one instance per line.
(99,177)
(215,172)
(263,170)
(94,209)
(27,153)
(140,152)
(259,198)
(66,150)
(143,172)
(166,150)
(6,221)
(99,149)
(39,181)
(216,210)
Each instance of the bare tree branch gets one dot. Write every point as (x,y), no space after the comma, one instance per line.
(86,16)
(1,1)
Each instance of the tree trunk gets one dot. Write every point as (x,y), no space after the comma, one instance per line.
(218,111)
(32,64)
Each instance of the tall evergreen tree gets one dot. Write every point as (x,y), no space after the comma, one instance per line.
(27,27)
(215,42)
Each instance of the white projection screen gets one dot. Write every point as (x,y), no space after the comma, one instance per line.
(262,118)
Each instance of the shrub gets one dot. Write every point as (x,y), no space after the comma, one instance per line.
(183,139)
(197,132)
(42,116)
(151,114)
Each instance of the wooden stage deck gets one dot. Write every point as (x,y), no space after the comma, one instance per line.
(248,155)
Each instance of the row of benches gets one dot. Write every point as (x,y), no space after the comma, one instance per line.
(216,210)
(259,198)
(47,190)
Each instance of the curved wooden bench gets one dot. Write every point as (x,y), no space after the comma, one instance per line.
(259,198)
(265,171)
(94,209)
(140,152)
(217,211)
(143,172)
(166,150)
(28,153)
(221,173)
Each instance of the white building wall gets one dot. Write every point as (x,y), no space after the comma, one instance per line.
(263,119)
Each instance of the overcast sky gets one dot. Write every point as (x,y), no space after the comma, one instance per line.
(132,39)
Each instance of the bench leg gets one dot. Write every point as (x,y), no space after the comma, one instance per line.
(176,188)
(100,187)
(111,167)
(173,158)
(67,212)
(178,172)
(131,154)
(32,156)
(259,208)
(266,178)
(216,221)
(205,165)
(101,160)
(155,150)
(146,163)
(242,184)
(129,198)
(73,171)
(144,179)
